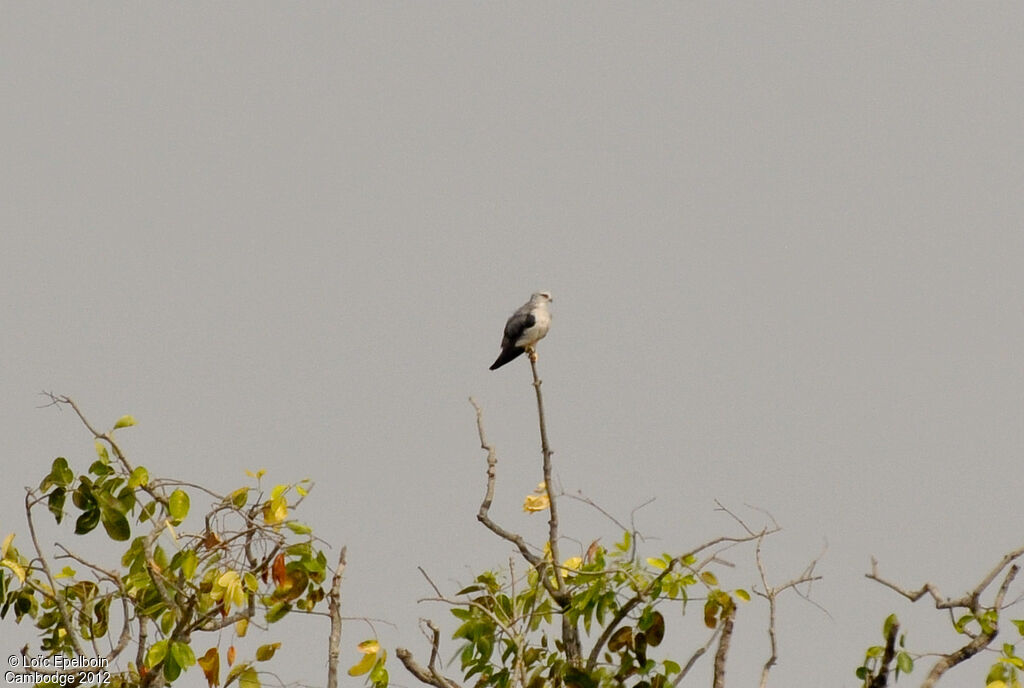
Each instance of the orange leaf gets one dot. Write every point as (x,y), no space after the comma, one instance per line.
(210,664)
(280,575)
(231,655)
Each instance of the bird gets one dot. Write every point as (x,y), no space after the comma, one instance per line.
(524,329)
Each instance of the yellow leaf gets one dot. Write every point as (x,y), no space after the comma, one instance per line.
(655,563)
(228,589)
(6,546)
(16,568)
(536,502)
(242,627)
(101,451)
(124,422)
(364,665)
(369,646)
(743,595)
(275,511)
(258,474)
(573,563)
(708,578)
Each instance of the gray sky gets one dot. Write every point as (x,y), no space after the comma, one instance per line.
(784,242)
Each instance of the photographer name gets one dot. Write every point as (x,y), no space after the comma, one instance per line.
(61,663)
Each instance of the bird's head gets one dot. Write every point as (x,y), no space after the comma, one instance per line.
(541,297)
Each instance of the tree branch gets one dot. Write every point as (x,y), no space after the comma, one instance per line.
(56,596)
(334,608)
(723,648)
(429,675)
(881,679)
(483,515)
(978,643)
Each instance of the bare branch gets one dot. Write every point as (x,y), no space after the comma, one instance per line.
(580,497)
(978,643)
(552,497)
(771,594)
(429,675)
(695,656)
(57,598)
(334,607)
(436,589)
(968,601)
(483,515)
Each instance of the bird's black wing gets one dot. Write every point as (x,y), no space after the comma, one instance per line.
(520,321)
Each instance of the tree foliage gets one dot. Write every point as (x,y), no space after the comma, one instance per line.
(195,566)
(185,582)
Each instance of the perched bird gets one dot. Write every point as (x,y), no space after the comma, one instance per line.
(525,328)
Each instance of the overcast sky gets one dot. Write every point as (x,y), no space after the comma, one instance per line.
(784,241)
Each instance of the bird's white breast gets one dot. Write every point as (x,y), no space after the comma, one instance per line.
(536,332)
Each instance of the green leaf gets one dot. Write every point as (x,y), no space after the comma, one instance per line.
(101,451)
(743,595)
(60,474)
(671,667)
(189,561)
(138,478)
(239,497)
(708,578)
(961,623)
(178,505)
(379,675)
(277,611)
(904,662)
(655,563)
(249,679)
(147,511)
(890,621)
(298,528)
(266,652)
(167,621)
(1019,623)
(116,525)
(182,654)
(156,653)
(124,422)
(100,468)
(87,521)
(172,670)
(55,503)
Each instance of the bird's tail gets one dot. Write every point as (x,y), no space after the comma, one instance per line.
(509,354)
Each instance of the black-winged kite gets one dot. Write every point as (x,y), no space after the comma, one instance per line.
(525,328)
